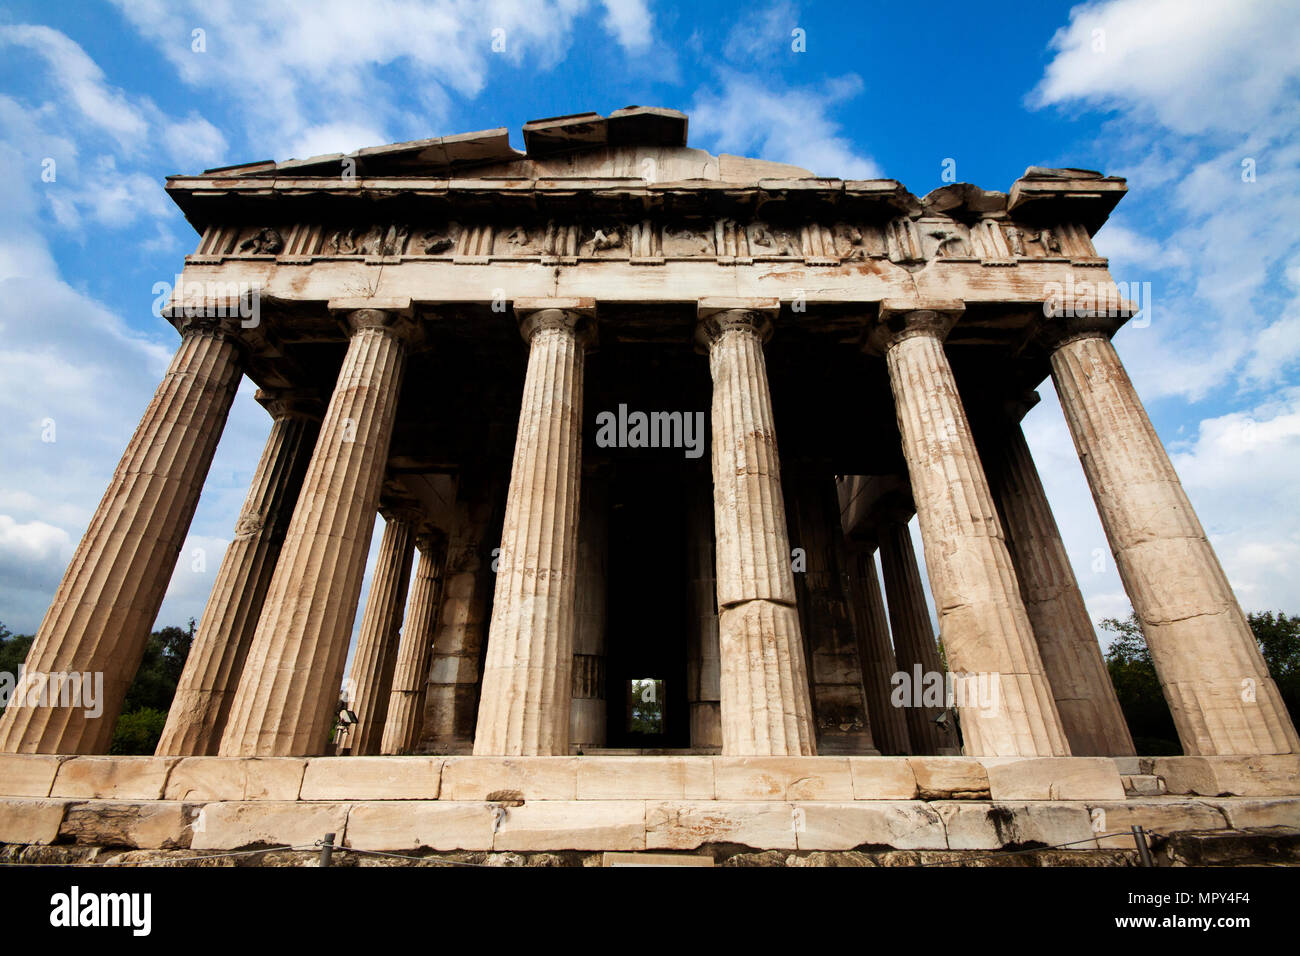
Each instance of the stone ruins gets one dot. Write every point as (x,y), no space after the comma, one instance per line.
(506,354)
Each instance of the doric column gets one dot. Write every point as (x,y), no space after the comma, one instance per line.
(1067,643)
(1211,669)
(842,721)
(915,649)
(888,723)
(1007,708)
(102,612)
(411,672)
(216,660)
(371,674)
(587,710)
(524,703)
(287,697)
(451,696)
(703,664)
(765,703)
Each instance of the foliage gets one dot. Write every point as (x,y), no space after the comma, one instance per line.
(137,732)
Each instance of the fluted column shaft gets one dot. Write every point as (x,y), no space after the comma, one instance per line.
(102,612)
(216,660)
(1067,643)
(766,708)
(982,621)
(587,711)
(1214,677)
(914,643)
(527,682)
(287,697)
(888,723)
(411,671)
(371,674)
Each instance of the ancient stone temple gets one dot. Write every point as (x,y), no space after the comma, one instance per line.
(647,428)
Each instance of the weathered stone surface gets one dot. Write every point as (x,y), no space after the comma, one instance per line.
(654,859)
(230,826)
(1067,643)
(1242,813)
(1053,778)
(30,821)
(158,825)
(1219,690)
(207,685)
(372,778)
(903,825)
(412,825)
(206,779)
(982,619)
(371,672)
(411,670)
(988,826)
(1158,818)
(28,775)
(563,825)
(763,679)
(882,778)
(108,778)
(689,826)
(525,701)
(525,778)
(288,695)
(1261,776)
(943,778)
(780,778)
(632,778)
(100,618)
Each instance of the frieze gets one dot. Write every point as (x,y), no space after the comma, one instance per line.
(912,242)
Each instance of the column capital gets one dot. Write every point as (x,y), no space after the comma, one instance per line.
(576,315)
(407,511)
(901,319)
(291,403)
(1054,331)
(715,316)
(430,540)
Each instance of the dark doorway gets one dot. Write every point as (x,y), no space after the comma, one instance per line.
(645,636)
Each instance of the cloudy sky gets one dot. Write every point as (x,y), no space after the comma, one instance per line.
(1194,101)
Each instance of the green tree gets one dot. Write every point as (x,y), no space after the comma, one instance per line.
(144,711)
(13,651)
(1138,689)
(1278,635)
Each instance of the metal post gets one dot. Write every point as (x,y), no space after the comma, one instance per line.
(1140,838)
(326,849)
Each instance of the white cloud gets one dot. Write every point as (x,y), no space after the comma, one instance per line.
(748,115)
(761,35)
(307,77)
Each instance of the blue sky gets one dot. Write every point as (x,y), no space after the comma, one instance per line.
(1174,94)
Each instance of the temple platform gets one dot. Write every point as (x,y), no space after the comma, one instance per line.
(701,805)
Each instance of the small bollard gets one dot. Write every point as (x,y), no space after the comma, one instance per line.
(1144,851)
(326,850)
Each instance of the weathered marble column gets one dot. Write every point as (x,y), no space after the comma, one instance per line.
(287,697)
(765,703)
(888,723)
(982,621)
(527,680)
(587,710)
(411,672)
(915,649)
(842,721)
(1067,643)
(102,612)
(703,665)
(1214,677)
(216,660)
(371,674)
(451,696)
